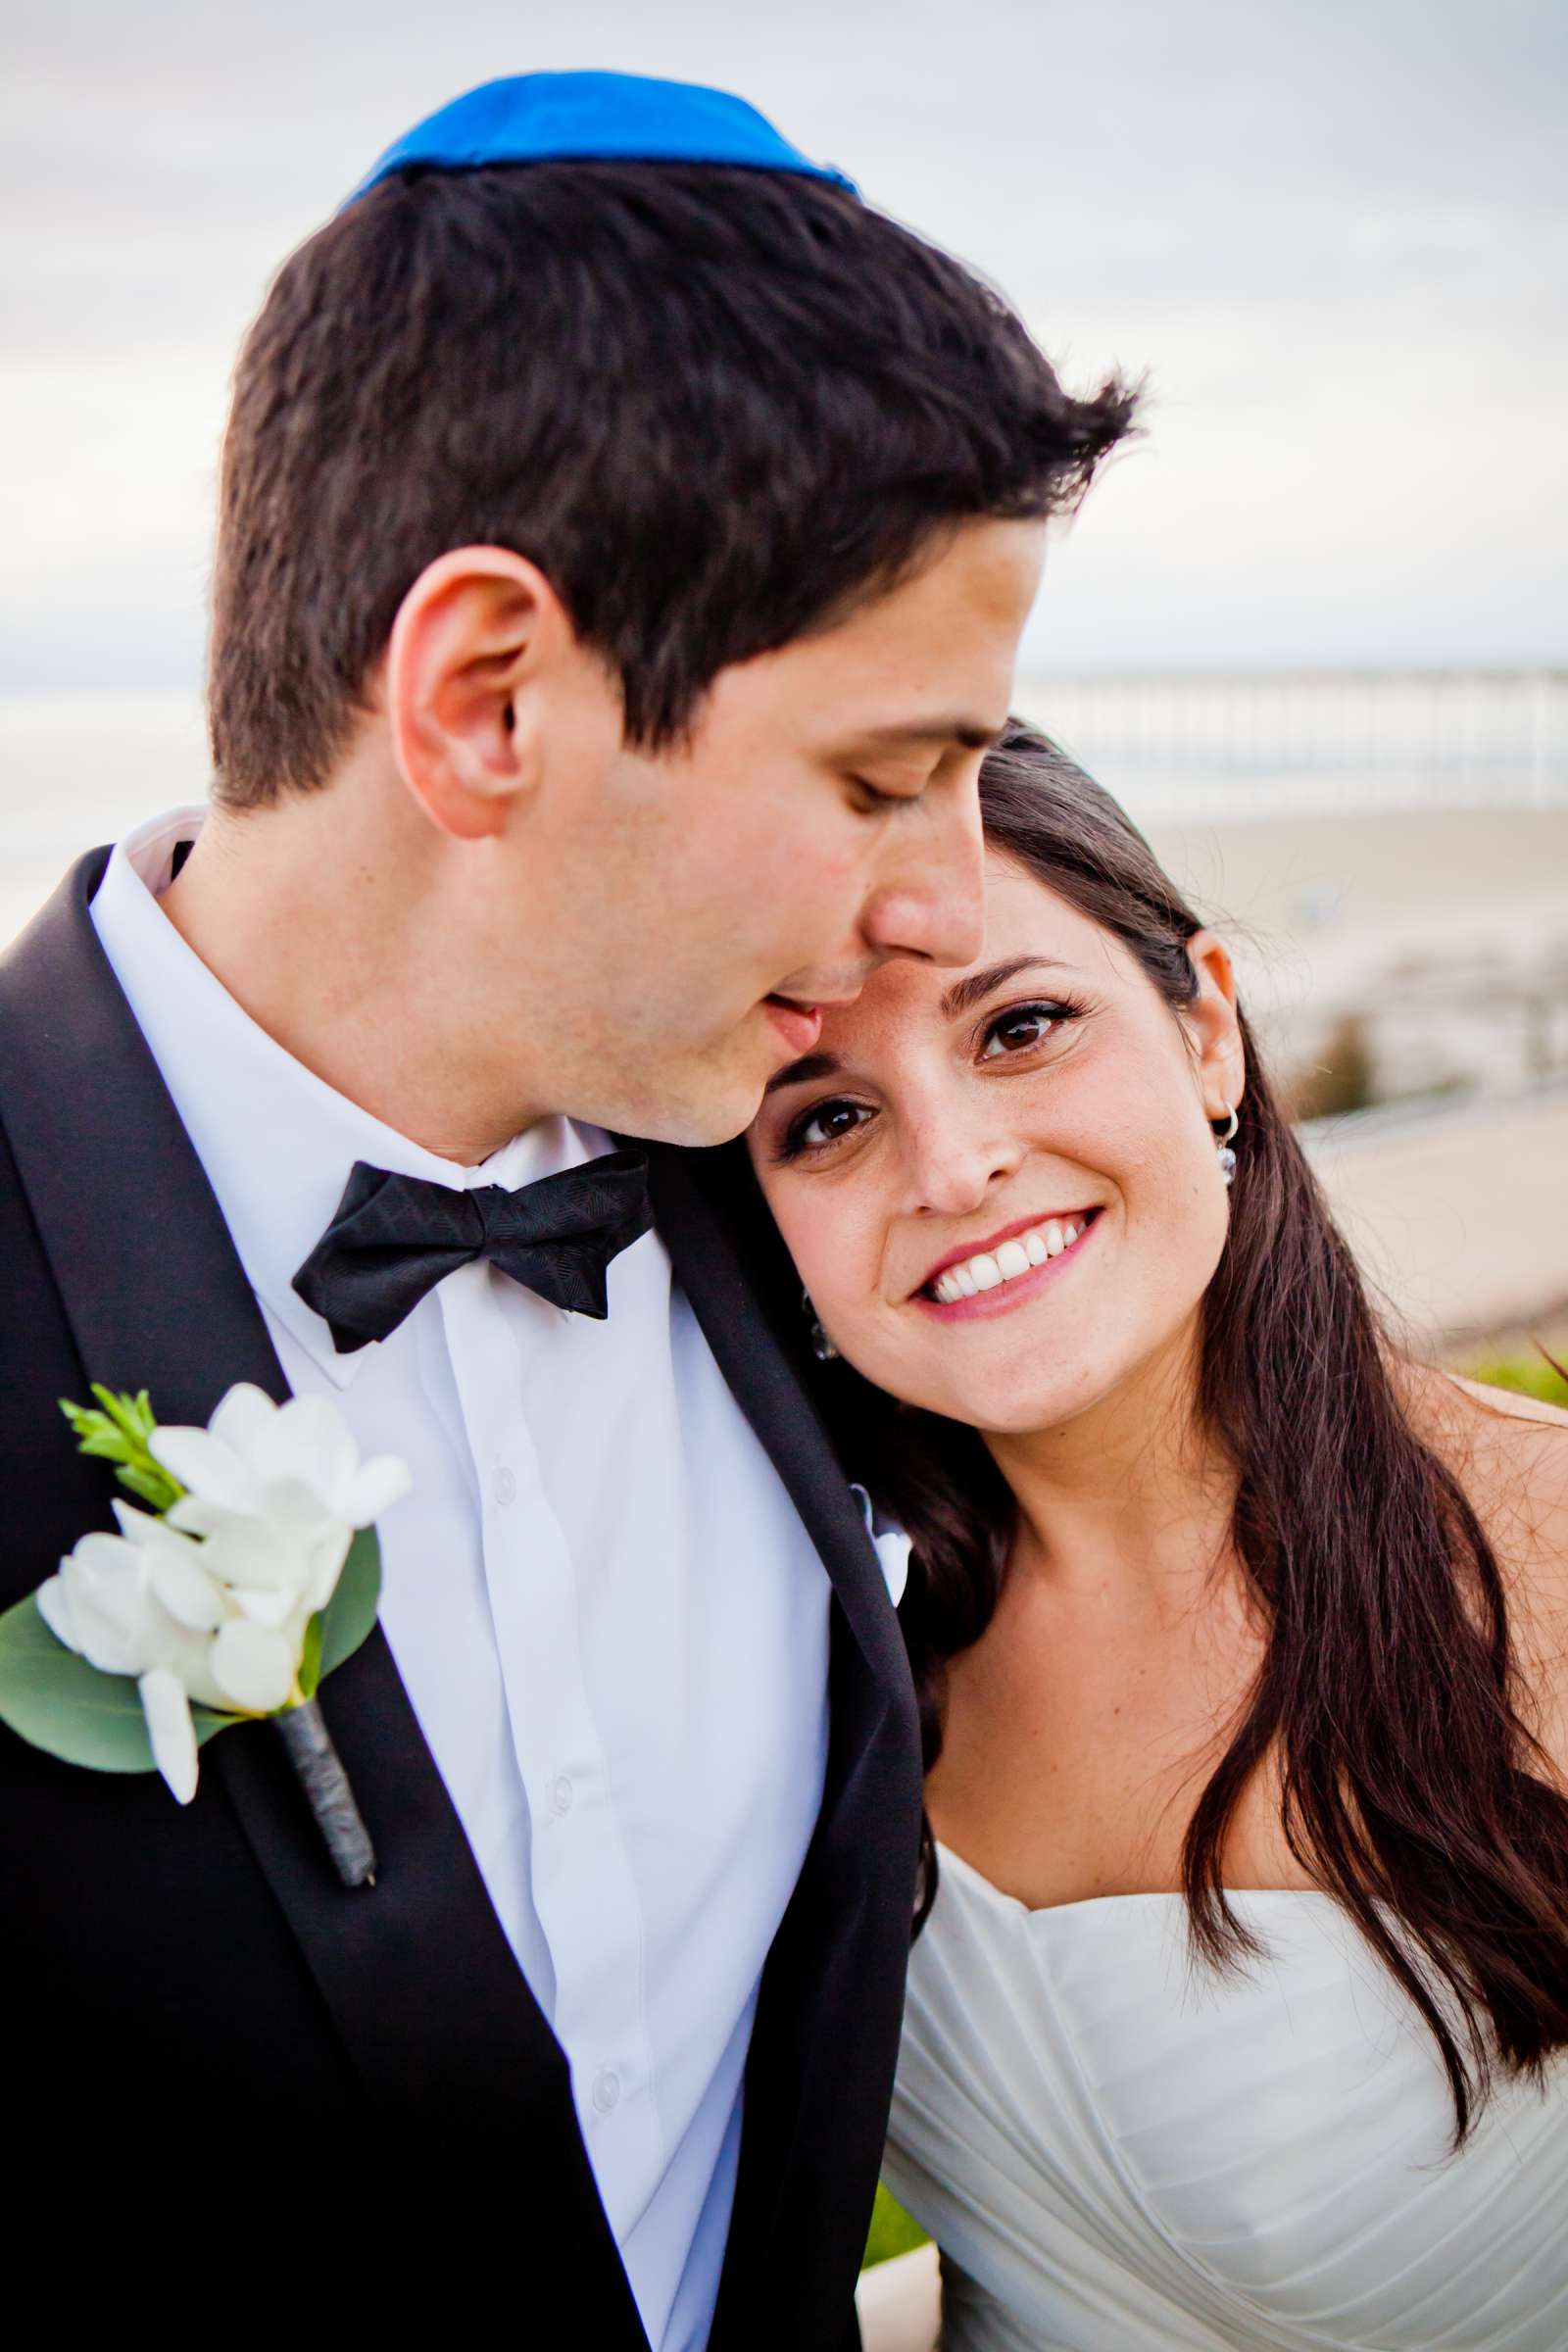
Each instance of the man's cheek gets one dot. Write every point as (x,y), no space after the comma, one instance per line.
(840,889)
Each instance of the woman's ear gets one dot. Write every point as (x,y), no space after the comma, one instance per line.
(1212,1023)
(472,653)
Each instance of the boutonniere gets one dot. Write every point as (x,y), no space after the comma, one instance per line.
(251,1574)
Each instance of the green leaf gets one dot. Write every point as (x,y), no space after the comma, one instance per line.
(120,1432)
(60,1703)
(57,1703)
(106,1443)
(309,1676)
(349,1614)
(121,1409)
(151,1486)
(893,2232)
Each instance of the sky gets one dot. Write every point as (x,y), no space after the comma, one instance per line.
(1334,233)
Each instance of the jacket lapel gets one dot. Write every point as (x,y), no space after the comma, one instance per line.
(417,1974)
(820,2070)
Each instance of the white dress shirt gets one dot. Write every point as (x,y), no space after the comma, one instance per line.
(608,1619)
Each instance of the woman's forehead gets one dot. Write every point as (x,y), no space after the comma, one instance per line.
(1021,912)
(1023,918)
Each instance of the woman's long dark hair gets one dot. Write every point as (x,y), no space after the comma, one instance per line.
(1413,1792)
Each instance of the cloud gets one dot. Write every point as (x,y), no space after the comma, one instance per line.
(1336,236)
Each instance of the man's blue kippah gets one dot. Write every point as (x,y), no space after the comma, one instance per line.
(547,118)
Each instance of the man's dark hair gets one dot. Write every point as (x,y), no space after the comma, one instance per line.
(716,408)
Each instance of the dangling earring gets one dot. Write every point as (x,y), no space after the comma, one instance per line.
(822,1347)
(1227,1158)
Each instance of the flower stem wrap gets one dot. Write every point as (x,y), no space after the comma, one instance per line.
(304,1734)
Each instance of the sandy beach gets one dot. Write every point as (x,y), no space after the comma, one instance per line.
(1457,1219)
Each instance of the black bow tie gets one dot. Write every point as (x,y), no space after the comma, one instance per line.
(394,1236)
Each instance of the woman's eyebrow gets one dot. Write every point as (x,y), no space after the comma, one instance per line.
(798,1073)
(957,999)
(978,984)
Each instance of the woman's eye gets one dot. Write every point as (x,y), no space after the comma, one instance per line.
(1017,1030)
(828,1123)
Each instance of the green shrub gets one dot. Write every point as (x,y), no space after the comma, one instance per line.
(1344,1079)
(892,2231)
(1526,1375)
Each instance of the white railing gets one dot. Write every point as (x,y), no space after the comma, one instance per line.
(1313,743)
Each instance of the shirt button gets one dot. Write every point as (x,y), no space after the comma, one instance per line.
(561,1793)
(506,1484)
(607,2089)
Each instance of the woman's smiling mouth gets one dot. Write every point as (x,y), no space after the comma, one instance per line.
(1008,1269)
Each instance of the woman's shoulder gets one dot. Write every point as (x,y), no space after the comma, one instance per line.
(1508,1451)
(1506,1404)
(1510,1454)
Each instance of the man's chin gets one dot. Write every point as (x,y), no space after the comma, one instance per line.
(709,1109)
(698,1127)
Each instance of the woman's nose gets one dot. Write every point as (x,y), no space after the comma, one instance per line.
(952,1173)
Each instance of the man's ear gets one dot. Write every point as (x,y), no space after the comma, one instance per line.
(476,637)
(1212,1023)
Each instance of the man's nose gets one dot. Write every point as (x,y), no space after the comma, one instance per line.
(931,903)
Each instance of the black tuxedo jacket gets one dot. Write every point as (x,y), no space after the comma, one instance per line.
(240,2070)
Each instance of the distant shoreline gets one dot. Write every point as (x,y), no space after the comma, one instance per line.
(1378,910)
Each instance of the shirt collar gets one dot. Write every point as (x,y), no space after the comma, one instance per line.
(276,1141)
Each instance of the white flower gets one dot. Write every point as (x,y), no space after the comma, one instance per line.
(211,1602)
(293,1465)
(166,1706)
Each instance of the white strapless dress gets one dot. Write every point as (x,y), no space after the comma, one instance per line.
(1116,2149)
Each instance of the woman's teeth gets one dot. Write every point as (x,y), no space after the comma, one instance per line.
(993,1267)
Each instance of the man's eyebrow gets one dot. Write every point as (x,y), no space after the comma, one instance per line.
(977,986)
(799,1073)
(972,733)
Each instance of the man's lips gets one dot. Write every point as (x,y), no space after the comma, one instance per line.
(799,1025)
(800,1018)
(992,1241)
